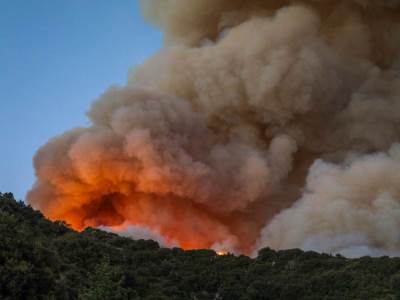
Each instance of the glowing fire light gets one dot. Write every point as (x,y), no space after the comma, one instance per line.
(222,253)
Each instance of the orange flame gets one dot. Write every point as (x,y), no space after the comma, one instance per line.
(179,224)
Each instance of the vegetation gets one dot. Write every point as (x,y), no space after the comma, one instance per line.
(40,259)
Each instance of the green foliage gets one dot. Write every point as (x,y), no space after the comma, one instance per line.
(40,259)
(106,282)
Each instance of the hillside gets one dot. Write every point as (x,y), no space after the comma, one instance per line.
(40,259)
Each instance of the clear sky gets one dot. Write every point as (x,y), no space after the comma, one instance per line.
(56,57)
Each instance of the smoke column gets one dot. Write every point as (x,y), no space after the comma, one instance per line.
(260,123)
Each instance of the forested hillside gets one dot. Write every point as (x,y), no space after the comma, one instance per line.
(40,259)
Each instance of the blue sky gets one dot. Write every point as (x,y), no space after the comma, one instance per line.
(56,57)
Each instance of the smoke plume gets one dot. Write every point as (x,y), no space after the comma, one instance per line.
(260,123)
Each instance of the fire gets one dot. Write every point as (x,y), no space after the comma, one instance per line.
(171,222)
(222,253)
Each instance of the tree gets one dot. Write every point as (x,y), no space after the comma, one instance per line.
(105,283)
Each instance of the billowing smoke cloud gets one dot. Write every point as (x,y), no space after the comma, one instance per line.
(261,123)
(344,208)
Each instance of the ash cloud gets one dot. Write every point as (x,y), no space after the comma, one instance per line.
(260,123)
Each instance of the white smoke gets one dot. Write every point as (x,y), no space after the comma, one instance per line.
(140,233)
(349,208)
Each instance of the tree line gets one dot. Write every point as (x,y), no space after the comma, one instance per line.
(40,259)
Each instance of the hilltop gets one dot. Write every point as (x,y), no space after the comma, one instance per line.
(40,259)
